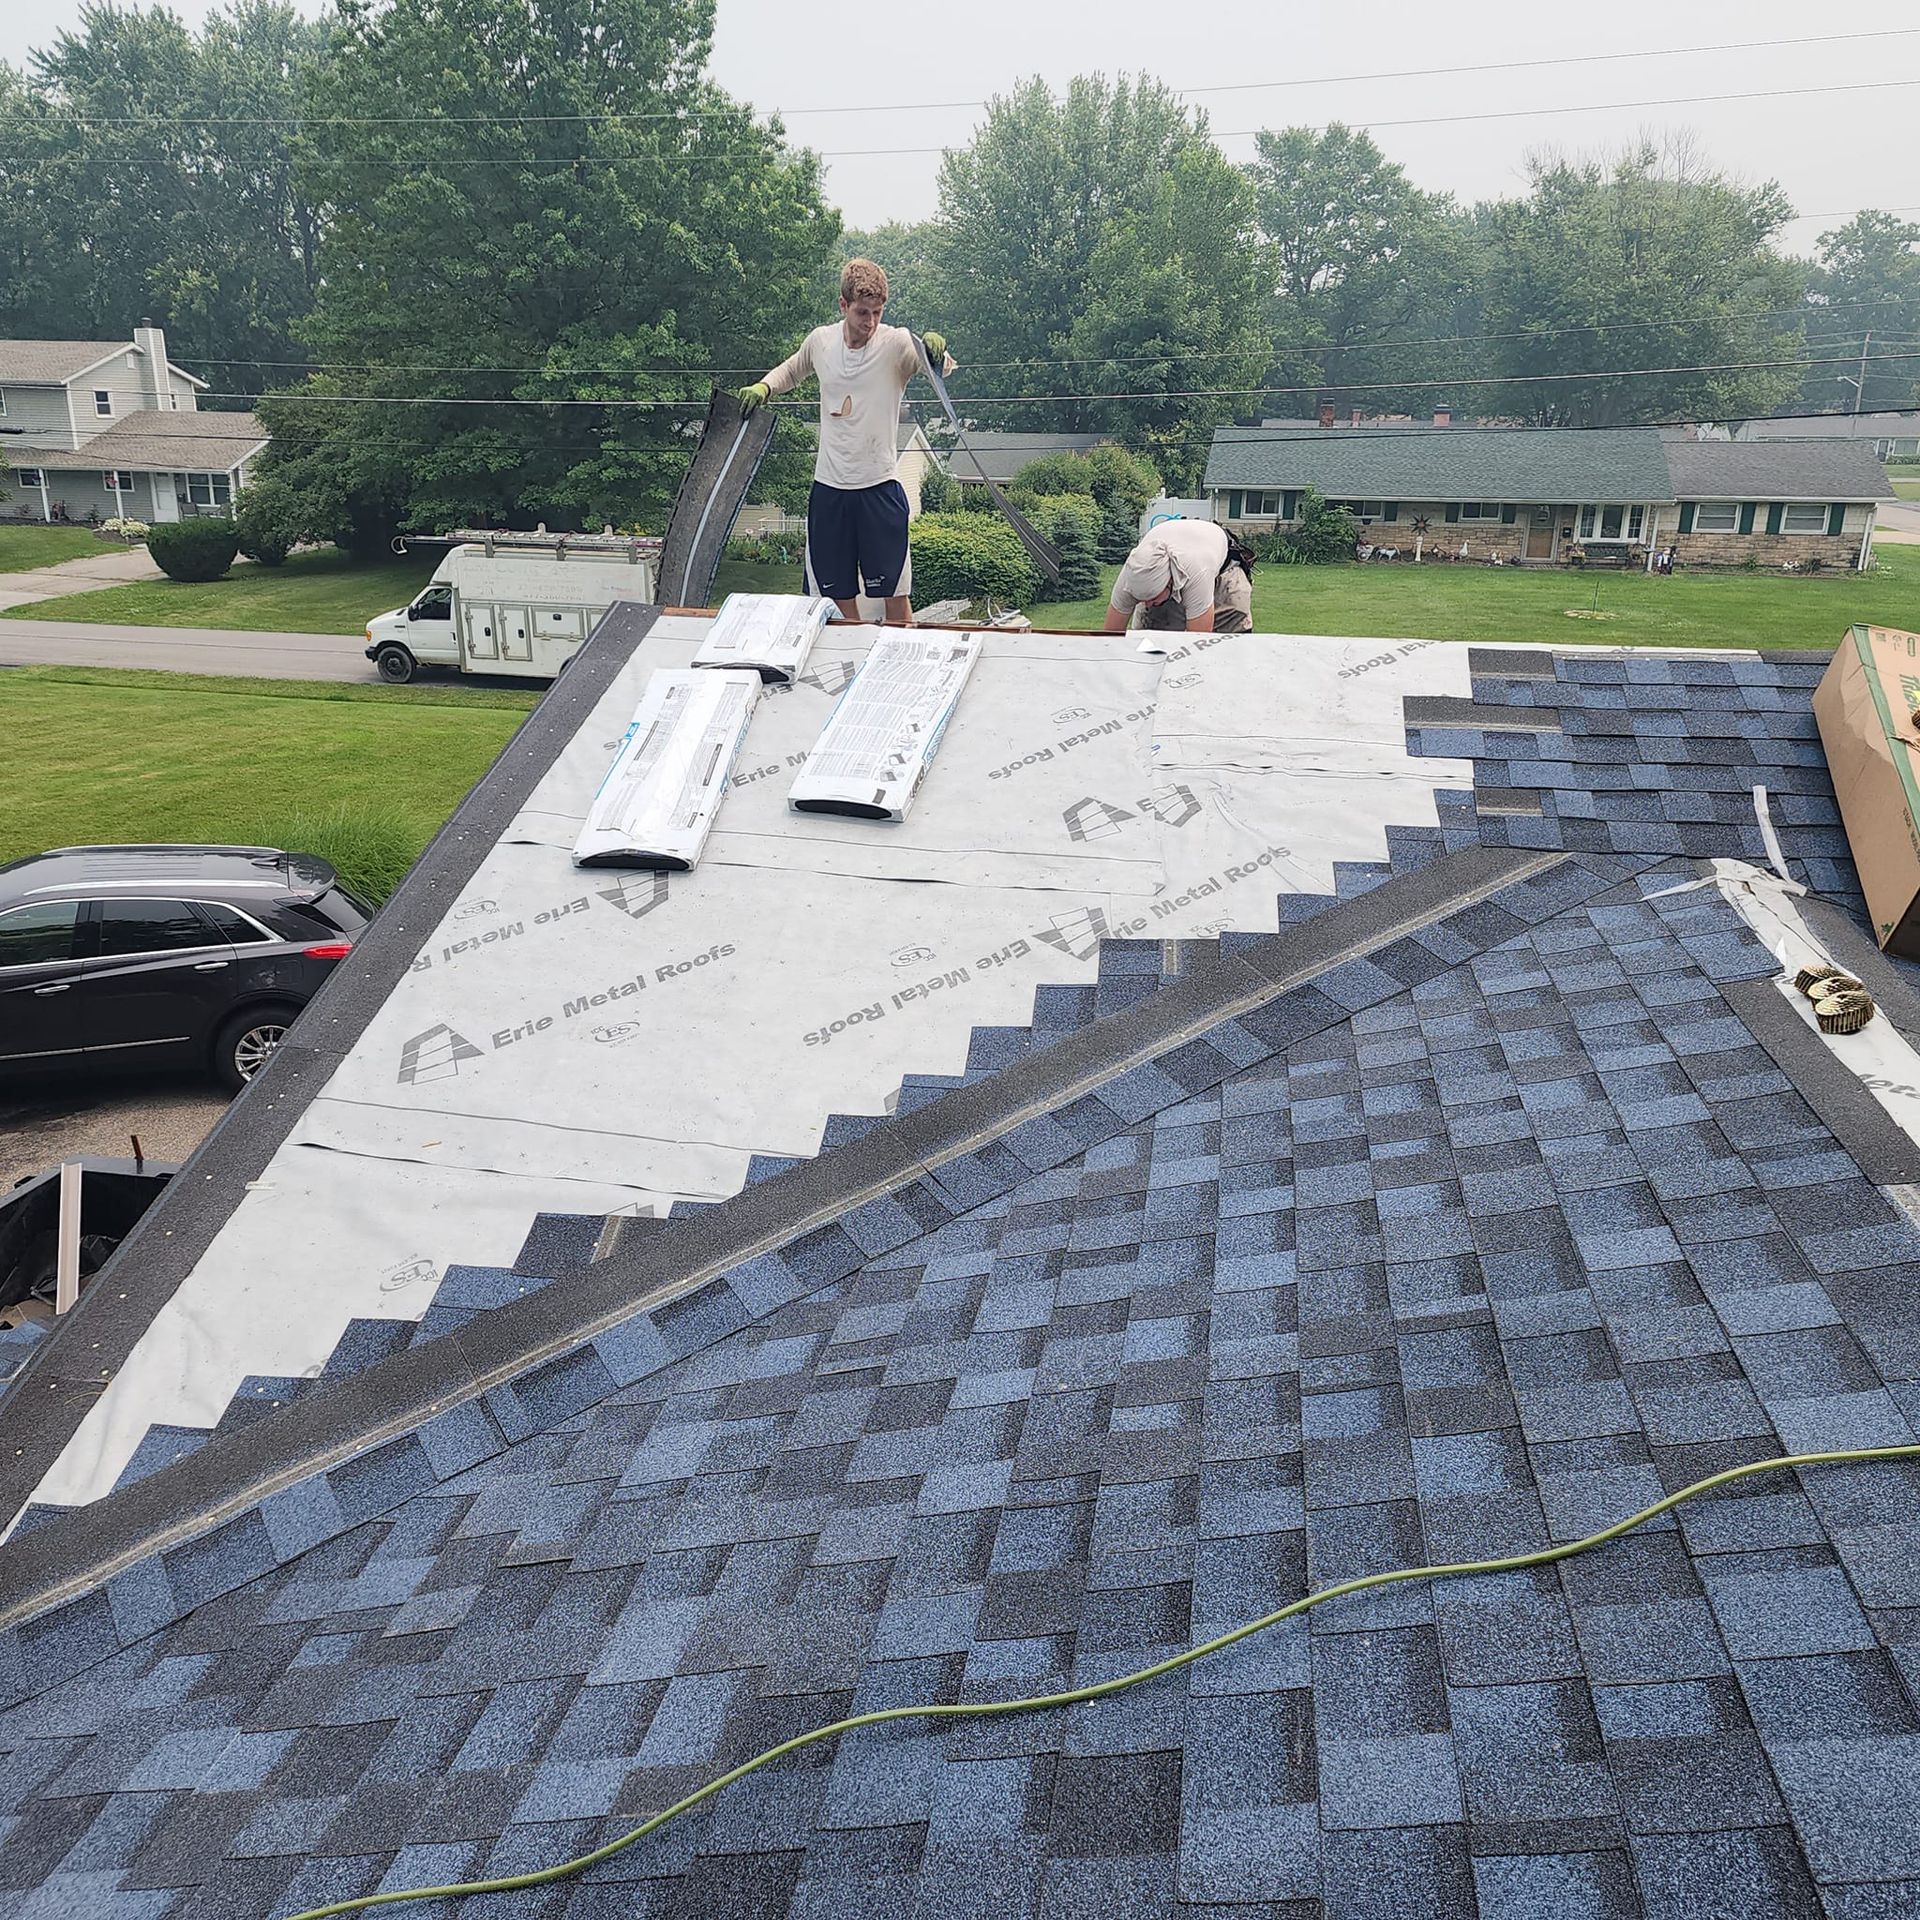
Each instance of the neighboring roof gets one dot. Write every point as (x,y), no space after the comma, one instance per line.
(1776,470)
(47,363)
(1004,454)
(1497,1195)
(1835,426)
(1549,465)
(155,440)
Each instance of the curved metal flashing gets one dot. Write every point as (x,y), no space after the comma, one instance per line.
(66,1374)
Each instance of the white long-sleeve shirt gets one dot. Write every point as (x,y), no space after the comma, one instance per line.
(859,400)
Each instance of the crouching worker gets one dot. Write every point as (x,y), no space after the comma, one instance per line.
(1170,579)
(857,513)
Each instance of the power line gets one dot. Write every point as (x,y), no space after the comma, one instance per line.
(520,162)
(1804,310)
(1147,393)
(952,106)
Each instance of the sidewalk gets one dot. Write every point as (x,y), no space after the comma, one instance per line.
(107,568)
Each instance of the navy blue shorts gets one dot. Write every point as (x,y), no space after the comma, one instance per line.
(857,541)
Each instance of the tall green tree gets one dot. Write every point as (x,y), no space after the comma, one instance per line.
(537,217)
(1626,275)
(1368,271)
(1865,299)
(145,172)
(1097,244)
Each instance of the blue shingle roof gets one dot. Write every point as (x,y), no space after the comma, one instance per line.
(1472,1246)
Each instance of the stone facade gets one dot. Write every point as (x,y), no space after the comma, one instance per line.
(1836,552)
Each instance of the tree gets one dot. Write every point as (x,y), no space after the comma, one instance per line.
(146,174)
(549,234)
(1656,262)
(1119,483)
(1102,230)
(1362,261)
(1865,299)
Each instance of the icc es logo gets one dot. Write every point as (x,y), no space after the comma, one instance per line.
(1067,715)
(913,957)
(475,908)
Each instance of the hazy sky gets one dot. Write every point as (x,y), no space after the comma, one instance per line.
(1834,152)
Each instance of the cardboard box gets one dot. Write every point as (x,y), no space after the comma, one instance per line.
(1867,705)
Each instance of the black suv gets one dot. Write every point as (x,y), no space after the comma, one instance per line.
(127,958)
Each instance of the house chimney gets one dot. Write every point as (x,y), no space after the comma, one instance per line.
(1355,415)
(154,386)
(1326,413)
(1443,416)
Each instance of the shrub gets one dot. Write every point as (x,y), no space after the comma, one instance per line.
(963,556)
(1322,534)
(768,549)
(1069,523)
(267,519)
(939,490)
(1120,484)
(200,549)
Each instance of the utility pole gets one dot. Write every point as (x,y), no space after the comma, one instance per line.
(1859,386)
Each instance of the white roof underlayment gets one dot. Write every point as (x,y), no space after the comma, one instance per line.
(584,1042)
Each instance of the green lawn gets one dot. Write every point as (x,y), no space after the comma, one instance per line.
(323,591)
(362,775)
(24,547)
(749,576)
(1907,486)
(1451,602)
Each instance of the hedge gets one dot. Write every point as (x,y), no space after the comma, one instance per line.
(966,556)
(201,549)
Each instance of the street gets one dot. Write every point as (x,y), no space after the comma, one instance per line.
(259,656)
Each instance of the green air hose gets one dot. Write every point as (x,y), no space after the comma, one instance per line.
(1076,1696)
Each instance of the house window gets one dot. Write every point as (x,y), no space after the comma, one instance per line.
(1717,516)
(209,489)
(117,480)
(3,399)
(1261,506)
(30,477)
(1606,521)
(1364,509)
(103,402)
(1480,510)
(1802,518)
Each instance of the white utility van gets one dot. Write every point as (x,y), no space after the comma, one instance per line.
(512,603)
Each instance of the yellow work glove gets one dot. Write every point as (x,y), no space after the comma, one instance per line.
(756,395)
(936,345)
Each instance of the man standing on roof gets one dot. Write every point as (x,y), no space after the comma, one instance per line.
(1172,575)
(857,513)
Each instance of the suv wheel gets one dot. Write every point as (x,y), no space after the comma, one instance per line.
(394,663)
(247,1042)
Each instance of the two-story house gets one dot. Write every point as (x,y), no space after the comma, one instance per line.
(105,428)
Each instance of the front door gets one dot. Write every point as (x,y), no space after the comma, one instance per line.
(40,1018)
(1540,534)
